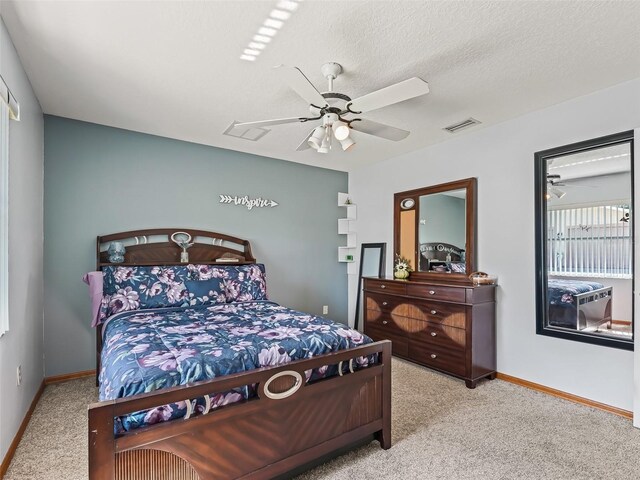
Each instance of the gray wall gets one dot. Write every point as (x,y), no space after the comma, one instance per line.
(101,180)
(22,344)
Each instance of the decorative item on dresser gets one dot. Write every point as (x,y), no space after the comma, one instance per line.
(446,326)
(286,421)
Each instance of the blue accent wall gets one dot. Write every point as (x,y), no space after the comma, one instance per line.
(101,180)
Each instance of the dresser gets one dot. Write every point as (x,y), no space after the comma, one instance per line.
(447,326)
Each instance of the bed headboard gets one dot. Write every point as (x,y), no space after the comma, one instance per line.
(154,247)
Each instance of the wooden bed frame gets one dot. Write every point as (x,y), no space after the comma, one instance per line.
(290,425)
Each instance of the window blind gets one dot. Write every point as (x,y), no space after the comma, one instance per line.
(590,241)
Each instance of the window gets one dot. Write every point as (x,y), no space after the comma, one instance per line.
(584,241)
(590,241)
(9,109)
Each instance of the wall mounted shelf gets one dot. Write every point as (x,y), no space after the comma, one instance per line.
(346,226)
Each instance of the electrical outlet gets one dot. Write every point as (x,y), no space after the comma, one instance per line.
(19,375)
(325,309)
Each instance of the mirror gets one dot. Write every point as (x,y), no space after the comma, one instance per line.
(372,257)
(435,229)
(584,241)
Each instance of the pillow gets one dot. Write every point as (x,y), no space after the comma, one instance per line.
(246,283)
(94,280)
(138,288)
(202,292)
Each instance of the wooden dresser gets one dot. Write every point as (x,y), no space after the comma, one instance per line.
(445,326)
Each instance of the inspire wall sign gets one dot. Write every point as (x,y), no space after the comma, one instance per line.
(250,203)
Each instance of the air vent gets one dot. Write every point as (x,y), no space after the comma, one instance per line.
(252,134)
(469,122)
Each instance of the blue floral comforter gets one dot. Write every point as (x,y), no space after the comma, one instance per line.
(146,350)
(561,292)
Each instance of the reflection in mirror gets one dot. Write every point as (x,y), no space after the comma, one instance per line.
(408,234)
(372,258)
(588,243)
(442,232)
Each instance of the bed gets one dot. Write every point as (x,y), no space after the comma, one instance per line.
(441,257)
(578,304)
(205,388)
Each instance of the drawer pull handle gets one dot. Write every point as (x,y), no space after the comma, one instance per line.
(383,286)
(433,334)
(433,355)
(433,312)
(384,304)
(432,292)
(384,322)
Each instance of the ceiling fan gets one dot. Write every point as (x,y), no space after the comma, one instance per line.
(336,111)
(554,181)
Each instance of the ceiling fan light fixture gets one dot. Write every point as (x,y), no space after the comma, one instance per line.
(325,146)
(317,138)
(556,192)
(347,143)
(340,130)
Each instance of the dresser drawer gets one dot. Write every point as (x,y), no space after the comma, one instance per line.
(383,286)
(387,321)
(399,343)
(386,303)
(438,312)
(437,292)
(452,361)
(438,335)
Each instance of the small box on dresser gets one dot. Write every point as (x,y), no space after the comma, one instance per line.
(447,326)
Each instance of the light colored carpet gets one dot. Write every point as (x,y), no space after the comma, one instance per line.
(441,430)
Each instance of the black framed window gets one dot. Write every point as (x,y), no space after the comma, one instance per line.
(584,227)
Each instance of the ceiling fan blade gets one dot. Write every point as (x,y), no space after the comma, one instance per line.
(301,85)
(305,143)
(379,130)
(414,87)
(266,123)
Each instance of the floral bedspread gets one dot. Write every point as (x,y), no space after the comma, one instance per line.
(561,292)
(146,350)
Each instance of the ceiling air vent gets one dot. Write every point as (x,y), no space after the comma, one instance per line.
(252,134)
(469,122)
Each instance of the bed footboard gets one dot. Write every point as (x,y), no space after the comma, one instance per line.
(289,424)
(594,308)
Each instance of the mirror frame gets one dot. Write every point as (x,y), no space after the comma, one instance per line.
(540,191)
(381,265)
(470,185)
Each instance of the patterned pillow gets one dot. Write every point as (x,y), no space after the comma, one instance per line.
(242,283)
(203,292)
(246,283)
(138,288)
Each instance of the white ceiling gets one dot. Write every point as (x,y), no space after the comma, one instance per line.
(592,163)
(173,68)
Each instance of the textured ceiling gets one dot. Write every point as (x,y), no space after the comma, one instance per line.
(173,68)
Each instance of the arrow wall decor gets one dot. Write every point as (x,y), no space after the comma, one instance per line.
(250,203)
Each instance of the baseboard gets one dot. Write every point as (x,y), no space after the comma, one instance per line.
(565,395)
(621,322)
(6,461)
(68,376)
